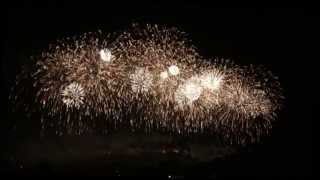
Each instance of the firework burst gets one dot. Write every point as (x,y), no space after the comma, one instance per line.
(141,80)
(73,95)
(151,78)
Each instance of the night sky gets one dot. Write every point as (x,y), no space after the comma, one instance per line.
(280,39)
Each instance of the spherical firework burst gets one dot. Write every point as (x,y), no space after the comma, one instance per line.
(152,78)
(211,80)
(141,80)
(173,70)
(189,92)
(73,95)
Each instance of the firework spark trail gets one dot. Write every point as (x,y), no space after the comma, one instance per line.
(154,76)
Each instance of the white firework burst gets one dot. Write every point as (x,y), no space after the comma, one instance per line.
(73,95)
(188,92)
(211,80)
(141,80)
(173,70)
(105,55)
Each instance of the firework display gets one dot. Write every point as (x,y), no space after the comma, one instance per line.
(149,78)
